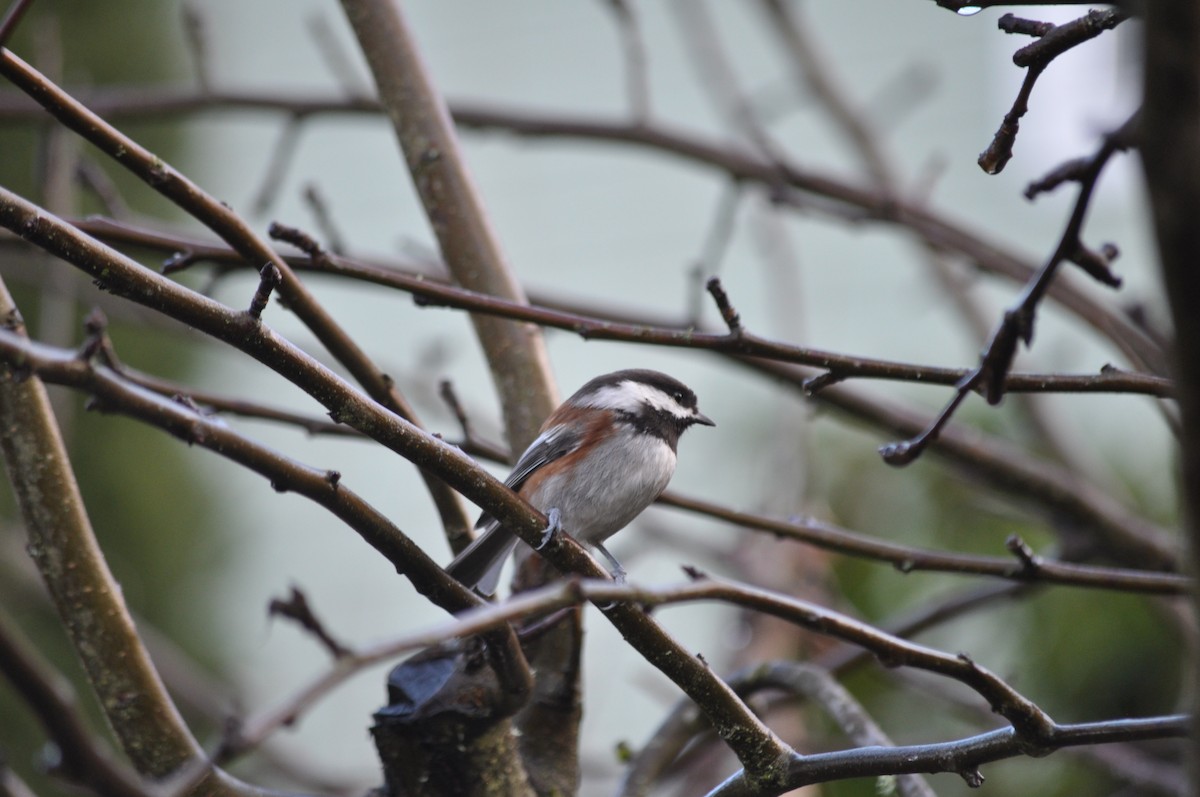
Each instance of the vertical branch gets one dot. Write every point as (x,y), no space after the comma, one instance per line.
(516,352)
(1170,148)
(85,594)
(811,70)
(637,81)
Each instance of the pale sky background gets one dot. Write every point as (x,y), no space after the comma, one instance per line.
(624,226)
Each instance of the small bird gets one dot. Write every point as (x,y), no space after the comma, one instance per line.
(601,458)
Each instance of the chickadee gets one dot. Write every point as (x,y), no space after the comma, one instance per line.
(602,457)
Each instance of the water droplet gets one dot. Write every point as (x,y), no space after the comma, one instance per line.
(969,11)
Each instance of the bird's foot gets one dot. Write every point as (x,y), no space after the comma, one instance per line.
(552,528)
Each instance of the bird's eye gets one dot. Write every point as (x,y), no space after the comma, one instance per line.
(677,396)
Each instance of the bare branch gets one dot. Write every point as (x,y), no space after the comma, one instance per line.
(756,742)
(469,246)
(933,229)
(1058,492)
(962,757)
(1018,321)
(48,694)
(86,596)
(429,290)
(820,687)
(906,559)
(295,607)
(12,18)
(1053,41)
(231,228)
(633,46)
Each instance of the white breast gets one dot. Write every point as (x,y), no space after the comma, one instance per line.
(624,479)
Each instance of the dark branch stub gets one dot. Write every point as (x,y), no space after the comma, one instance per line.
(728,313)
(297,238)
(1030,562)
(295,607)
(904,452)
(1011,23)
(96,328)
(1059,38)
(815,384)
(269,279)
(1096,264)
(1052,41)
(973,777)
(1072,170)
(179,261)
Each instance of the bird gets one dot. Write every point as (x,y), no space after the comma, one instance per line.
(600,459)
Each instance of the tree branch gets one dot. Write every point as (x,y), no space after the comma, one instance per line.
(88,599)
(233,230)
(907,559)
(743,731)
(1170,137)
(931,228)
(1017,324)
(469,246)
(50,697)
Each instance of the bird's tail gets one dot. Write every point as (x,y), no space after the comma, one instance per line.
(480,563)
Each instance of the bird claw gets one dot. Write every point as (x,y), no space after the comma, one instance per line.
(617,572)
(553,527)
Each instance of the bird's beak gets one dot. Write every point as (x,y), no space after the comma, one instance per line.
(703,419)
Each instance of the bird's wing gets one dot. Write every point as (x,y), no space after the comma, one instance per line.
(480,563)
(555,442)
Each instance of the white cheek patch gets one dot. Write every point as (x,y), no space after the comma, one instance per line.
(632,396)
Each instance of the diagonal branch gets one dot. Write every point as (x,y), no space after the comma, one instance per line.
(1053,41)
(469,245)
(222,220)
(755,744)
(1017,324)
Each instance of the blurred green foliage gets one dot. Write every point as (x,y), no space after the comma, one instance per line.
(149,503)
(1080,654)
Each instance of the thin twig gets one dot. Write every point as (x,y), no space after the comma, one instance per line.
(1053,41)
(909,559)
(633,46)
(295,607)
(1018,321)
(933,228)
(219,218)
(12,18)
